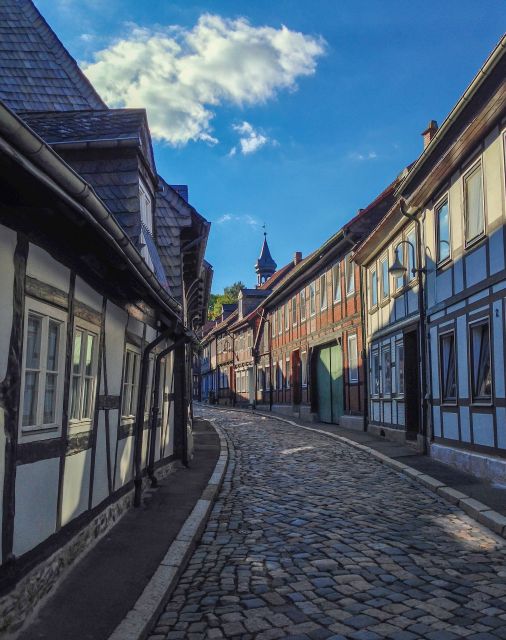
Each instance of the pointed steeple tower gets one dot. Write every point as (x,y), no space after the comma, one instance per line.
(265,265)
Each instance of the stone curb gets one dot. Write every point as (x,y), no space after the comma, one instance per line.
(139,620)
(480,512)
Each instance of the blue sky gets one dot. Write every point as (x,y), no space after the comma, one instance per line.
(296,127)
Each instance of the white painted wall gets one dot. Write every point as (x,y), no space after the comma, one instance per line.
(42,266)
(36,503)
(76,485)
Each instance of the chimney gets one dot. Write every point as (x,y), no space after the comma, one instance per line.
(297,257)
(429,133)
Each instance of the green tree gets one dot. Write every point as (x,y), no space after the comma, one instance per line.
(229,296)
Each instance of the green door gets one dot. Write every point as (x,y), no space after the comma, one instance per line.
(329,383)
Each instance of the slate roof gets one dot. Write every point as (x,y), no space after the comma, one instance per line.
(38,73)
(169,221)
(115,126)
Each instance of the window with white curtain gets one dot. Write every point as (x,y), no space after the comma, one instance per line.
(473,204)
(323,291)
(83,373)
(303,367)
(336,282)
(131,370)
(43,367)
(312,299)
(349,275)
(303,305)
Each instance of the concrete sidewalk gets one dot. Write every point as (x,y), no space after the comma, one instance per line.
(103,587)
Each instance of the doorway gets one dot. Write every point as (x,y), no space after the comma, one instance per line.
(412,384)
(329,383)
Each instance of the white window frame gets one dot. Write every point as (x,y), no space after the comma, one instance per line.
(478,167)
(145,206)
(312,299)
(323,292)
(47,313)
(133,383)
(302,303)
(438,208)
(384,265)
(386,349)
(411,254)
(399,346)
(336,283)
(87,328)
(294,311)
(287,316)
(353,376)
(374,286)
(288,372)
(280,321)
(349,265)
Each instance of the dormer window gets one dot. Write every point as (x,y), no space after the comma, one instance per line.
(146,213)
(145,208)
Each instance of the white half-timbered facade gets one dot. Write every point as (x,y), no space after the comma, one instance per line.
(458,189)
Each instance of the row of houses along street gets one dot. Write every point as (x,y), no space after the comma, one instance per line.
(396,324)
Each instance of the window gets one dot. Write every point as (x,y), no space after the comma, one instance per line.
(312,302)
(375,374)
(250,339)
(386,371)
(273,323)
(145,208)
(287,373)
(399,367)
(481,369)
(374,287)
(84,371)
(447,367)
(410,248)
(323,292)
(294,310)
(260,379)
(399,280)
(336,282)
(353,358)
(149,385)
(302,305)
(303,366)
(473,204)
(349,274)
(442,233)
(43,367)
(280,375)
(279,321)
(267,378)
(287,317)
(130,382)
(385,281)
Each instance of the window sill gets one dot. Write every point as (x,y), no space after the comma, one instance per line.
(80,425)
(30,431)
(449,403)
(475,242)
(444,265)
(482,403)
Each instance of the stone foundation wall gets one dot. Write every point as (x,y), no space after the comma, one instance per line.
(19,605)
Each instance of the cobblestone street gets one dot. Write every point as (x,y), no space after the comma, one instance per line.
(312,539)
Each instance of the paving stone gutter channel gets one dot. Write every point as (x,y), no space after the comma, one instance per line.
(477,510)
(138,622)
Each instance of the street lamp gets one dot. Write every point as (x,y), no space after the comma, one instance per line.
(398,269)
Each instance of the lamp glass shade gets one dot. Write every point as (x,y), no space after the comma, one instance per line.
(397,269)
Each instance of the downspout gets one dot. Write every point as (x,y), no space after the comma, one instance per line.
(155,409)
(365,358)
(141,405)
(421,309)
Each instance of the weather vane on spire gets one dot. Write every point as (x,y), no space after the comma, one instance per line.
(263,227)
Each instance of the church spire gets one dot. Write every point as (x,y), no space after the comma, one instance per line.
(265,265)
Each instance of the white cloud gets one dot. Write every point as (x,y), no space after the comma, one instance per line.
(251,140)
(371,155)
(245,219)
(182,75)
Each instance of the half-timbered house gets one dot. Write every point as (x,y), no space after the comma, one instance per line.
(103,280)
(456,190)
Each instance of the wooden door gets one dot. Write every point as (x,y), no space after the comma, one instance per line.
(329,383)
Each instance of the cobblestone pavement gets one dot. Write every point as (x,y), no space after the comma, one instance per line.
(312,539)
